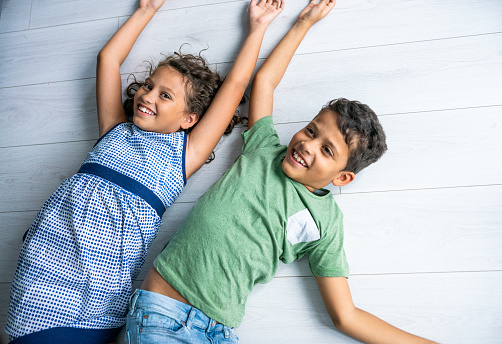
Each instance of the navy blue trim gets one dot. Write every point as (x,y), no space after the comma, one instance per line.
(107,133)
(65,335)
(125,182)
(184,159)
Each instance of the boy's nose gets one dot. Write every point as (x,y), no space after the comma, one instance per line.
(307,146)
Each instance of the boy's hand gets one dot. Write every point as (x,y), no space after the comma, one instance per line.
(316,11)
(264,12)
(150,4)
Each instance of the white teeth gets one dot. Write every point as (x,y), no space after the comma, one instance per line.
(145,110)
(299,159)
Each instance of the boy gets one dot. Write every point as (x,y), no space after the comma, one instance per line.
(269,206)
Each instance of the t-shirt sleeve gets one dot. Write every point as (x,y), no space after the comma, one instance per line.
(327,255)
(261,135)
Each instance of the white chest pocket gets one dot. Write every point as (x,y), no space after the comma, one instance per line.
(302,228)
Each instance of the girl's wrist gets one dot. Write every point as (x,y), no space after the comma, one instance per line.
(147,11)
(257,27)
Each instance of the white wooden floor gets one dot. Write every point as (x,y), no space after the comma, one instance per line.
(423,226)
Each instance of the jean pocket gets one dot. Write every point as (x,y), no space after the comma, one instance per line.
(155,322)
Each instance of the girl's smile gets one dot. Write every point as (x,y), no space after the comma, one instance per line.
(143,110)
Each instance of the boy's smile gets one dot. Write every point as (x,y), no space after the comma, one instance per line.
(317,154)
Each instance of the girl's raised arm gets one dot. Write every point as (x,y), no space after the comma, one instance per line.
(110,58)
(204,137)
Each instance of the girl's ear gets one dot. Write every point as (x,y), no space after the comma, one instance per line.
(343,178)
(190,120)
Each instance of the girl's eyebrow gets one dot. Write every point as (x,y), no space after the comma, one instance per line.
(164,87)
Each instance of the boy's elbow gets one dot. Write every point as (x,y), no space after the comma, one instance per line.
(343,320)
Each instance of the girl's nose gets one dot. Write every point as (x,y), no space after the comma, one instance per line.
(147,97)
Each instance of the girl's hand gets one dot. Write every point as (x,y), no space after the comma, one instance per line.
(264,12)
(150,4)
(316,11)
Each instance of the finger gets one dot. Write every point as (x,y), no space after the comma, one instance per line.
(331,4)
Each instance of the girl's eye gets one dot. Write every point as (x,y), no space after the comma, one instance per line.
(311,132)
(147,87)
(165,95)
(328,151)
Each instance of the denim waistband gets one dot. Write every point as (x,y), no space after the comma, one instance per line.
(189,315)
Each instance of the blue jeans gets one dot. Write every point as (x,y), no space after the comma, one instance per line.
(155,318)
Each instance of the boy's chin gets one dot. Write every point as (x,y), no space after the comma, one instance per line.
(310,188)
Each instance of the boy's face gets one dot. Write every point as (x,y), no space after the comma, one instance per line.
(317,154)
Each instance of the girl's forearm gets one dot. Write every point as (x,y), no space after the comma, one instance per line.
(121,43)
(245,63)
(276,64)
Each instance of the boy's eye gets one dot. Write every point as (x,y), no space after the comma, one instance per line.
(310,130)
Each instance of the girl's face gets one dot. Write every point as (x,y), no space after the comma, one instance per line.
(159,105)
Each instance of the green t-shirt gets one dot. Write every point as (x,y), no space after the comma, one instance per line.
(236,233)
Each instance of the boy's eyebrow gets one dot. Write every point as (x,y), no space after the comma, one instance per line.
(330,142)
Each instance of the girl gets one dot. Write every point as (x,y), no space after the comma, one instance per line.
(89,241)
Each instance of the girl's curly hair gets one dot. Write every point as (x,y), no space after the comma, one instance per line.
(201,86)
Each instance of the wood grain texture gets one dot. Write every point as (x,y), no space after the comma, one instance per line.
(52,112)
(37,56)
(15,15)
(451,308)
(412,77)
(60,12)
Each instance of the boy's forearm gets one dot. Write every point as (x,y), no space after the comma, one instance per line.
(369,329)
(276,64)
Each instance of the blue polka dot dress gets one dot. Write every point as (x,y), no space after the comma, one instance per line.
(89,241)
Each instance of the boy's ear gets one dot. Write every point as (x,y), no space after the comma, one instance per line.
(190,120)
(343,178)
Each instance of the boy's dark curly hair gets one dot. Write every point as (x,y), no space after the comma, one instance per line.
(362,131)
(201,86)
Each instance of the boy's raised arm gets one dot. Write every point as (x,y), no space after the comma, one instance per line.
(355,322)
(272,71)
(111,57)
(204,137)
